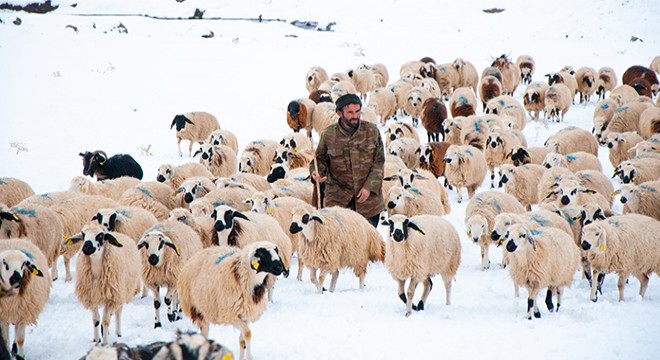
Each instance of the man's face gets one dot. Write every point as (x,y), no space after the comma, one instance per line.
(350,115)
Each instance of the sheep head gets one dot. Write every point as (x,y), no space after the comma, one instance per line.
(165,173)
(181,215)
(264,258)
(180,122)
(94,238)
(518,236)
(477,227)
(107,218)
(399,225)
(154,243)
(594,238)
(16,271)
(302,221)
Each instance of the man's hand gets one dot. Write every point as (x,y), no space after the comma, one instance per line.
(363,195)
(318,178)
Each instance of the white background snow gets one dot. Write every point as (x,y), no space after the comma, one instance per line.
(63,92)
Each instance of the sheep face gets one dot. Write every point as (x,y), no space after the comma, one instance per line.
(591,213)
(192,190)
(277,171)
(216,138)
(165,173)
(302,221)
(407,177)
(428,70)
(201,207)
(399,225)
(611,140)
(260,202)
(246,164)
(629,195)
(518,237)
(552,160)
(95,239)
(593,238)
(106,218)
(79,184)
(395,131)
(187,343)
(568,191)
(520,156)
(424,152)
(15,270)
(265,259)
(206,151)
(645,147)
(180,121)
(181,215)
(454,156)
(494,140)
(414,99)
(224,217)
(289,142)
(477,227)
(507,173)
(627,172)
(500,225)
(154,243)
(397,197)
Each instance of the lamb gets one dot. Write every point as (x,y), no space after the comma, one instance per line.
(414,101)
(153,196)
(557,101)
(499,145)
(527,66)
(224,137)
(574,161)
(638,170)
(219,160)
(466,167)
(586,82)
(193,188)
(194,126)
(534,98)
(522,182)
(335,238)
(342,88)
(602,117)
(299,115)
(534,155)
(202,225)
(510,74)
(627,118)
(13,191)
(112,188)
(570,140)
(474,131)
(413,201)
(490,88)
(637,71)
(24,292)
(625,244)
(405,149)
(316,75)
(432,248)
(324,115)
(467,74)
(257,157)
(649,122)
(223,285)
(107,275)
(507,105)
(161,267)
(541,258)
(641,199)
(434,113)
(399,130)
(97,164)
(174,176)
(620,145)
(383,102)
(480,214)
(363,80)
(420,178)
(463,102)
(623,94)
(606,82)
(432,157)
(566,78)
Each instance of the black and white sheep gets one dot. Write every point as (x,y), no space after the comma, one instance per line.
(527,65)
(98,164)
(223,137)
(195,127)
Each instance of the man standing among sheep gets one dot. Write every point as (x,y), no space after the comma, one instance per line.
(351,159)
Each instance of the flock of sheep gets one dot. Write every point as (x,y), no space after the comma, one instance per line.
(218,232)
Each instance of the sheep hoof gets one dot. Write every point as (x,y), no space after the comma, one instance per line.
(420,306)
(402,296)
(408,313)
(14,348)
(157,325)
(171,317)
(594,299)
(537,314)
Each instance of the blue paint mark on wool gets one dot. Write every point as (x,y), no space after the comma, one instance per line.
(219,203)
(145,191)
(570,128)
(220,258)
(621,109)
(260,143)
(605,106)
(654,140)
(570,157)
(27,253)
(535,232)
(25,212)
(415,191)
(158,227)
(501,102)
(463,100)
(126,213)
(647,188)
(477,126)
(2,182)
(44,195)
(568,218)
(614,223)
(539,220)
(496,205)
(469,152)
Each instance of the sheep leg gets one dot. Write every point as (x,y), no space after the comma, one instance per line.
(485,261)
(53,271)
(315,281)
(586,268)
(402,295)
(105,325)
(300,268)
(593,295)
(560,291)
(410,293)
(204,327)
(67,268)
(532,309)
(4,331)
(459,195)
(428,285)
(516,290)
(471,189)
(170,302)
(244,340)
(95,321)
(492,179)
(548,300)
(155,292)
(447,282)
(621,284)
(190,148)
(333,280)
(19,340)
(178,144)
(643,283)
(118,321)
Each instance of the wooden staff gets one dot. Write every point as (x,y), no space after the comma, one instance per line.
(318,184)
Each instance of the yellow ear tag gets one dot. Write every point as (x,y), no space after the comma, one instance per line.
(255,265)
(227,357)
(271,211)
(178,252)
(37,272)
(602,247)
(84,190)
(15,217)
(467,232)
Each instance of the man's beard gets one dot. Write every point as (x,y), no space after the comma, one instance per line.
(349,123)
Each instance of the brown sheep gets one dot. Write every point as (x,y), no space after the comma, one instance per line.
(586,81)
(434,113)
(638,71)
(432,157)
(299,115)
(489,88)
(318,96)
(463,102)
(510,74)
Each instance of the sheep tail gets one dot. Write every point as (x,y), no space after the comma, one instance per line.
(376,249)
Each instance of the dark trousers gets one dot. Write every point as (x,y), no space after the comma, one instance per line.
(372,220)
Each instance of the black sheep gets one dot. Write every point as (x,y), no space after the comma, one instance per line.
(99,165)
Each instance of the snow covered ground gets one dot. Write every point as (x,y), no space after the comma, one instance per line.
(67,90)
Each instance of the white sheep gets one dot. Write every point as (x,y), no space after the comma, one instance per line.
(572,139)
(644,149)
(413,104)
(641,199)
(13,191)
(153,196)
(571,191)
(623,94)
(224,137)
(413,201)
(627,118)
(315,76)
(557,101)
(175,175)
(203,225)
(566,78)
(336,238)
(447,78)
(110,188)
(465,167)
(534,98)
(620,145)
(405,148)
(223,285)
(533,155)
(539,258)
(638,170)
(510,74)
(193,188)
(480,214)
(602,117)
(161,266)
(452,129)
(527,65)
(574,161)
(400,90)
(432,86)
(540,218)
(499,144)
(107,275)
(364,81)
(420,178)
(419,248)
(508,105)
(522,182)
(257,157)
(194,126)
(40,224)
(219,160)
(467,74)
(296,142)
(399,130)
(625,244)
(383,102)
(606,81)
(586,83)
(24,288)
(393,164)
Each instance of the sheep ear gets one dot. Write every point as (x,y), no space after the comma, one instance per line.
(169,243)
(316,218)
(33,269)
(598,215)
(5,215)
(415,227)
(390,178)
(198,152)
(112,240)
(188,121)
(112,222)
(588,191)
(171,126)
(238,214)
(531,240)
(141,244)
(73,239)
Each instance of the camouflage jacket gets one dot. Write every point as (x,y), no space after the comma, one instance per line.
(352,162)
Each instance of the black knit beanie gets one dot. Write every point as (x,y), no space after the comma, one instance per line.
(347,99)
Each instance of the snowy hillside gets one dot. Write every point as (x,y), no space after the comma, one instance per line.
(74,80)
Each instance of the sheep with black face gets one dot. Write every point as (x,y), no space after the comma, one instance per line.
(194,126)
